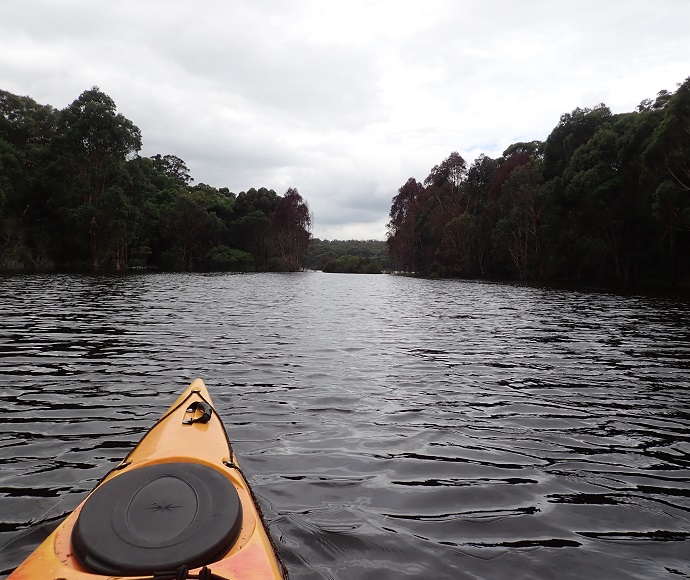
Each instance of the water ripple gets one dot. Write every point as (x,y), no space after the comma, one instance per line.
(390,426)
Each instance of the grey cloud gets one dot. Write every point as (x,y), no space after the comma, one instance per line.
(344,101)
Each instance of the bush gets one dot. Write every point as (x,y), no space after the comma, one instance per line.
(225,259)
(277,264)
(353,265)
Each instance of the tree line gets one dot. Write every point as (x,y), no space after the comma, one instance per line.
(350,256)
(605,199)
(75,194)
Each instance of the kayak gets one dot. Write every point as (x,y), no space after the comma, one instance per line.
(177,507)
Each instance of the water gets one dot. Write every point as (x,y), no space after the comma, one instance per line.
(390,427)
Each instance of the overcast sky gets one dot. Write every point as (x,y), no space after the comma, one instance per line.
(342,99)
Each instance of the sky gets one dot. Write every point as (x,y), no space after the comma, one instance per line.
(342,99)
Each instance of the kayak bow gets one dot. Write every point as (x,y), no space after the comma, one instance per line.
(178,506)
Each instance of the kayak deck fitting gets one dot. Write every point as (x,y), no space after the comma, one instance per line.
(178,506)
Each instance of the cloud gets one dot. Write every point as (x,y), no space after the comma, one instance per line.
(343,100)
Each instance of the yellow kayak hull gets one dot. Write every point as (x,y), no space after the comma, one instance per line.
(174,438)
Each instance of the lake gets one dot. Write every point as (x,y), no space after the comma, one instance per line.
(390,427)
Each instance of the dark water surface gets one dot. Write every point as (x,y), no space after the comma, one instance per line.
(391,427)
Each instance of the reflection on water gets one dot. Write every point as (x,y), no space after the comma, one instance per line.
(389,426)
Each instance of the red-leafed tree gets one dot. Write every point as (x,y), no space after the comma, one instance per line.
(403,236)
(291,230)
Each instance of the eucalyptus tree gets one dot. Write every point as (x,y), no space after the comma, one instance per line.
(24,122)
(194,228)
(564,218)
(291,223)
(249,229)
(173,167)
(403,237)
(480,219)
(93,144)
(573,130)
(26,130)
(669,153)
(517,235)
(451,172)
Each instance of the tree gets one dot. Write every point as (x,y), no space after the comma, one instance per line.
(94,142)
(118,222)
(460,246)
(532,148)
(291,230)
(607,186)
(569,249)
(573,129)
(444,191)
(24,122)
(224,259)
(26,130)
(323,251)
(403,239)
(451,171)
(353,265)
(250,227)
(173,167)
(669,152)
(480,177)
(193,229)
(517,233)
(74,193)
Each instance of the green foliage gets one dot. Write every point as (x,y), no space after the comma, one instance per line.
(517,240)
(321,252)
(353,265)
(75,194)
(573,130)
(24,123)
(225,259)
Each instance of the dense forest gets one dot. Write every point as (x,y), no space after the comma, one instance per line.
(605,199)
(75,194)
